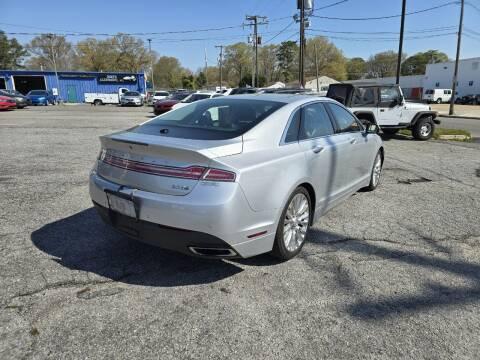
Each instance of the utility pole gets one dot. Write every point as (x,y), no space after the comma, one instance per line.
(457,59)
(400,45)
(254,22)
(220,61)
(50,37)
(316,66)
(301,75)
(151,62)
(206,66)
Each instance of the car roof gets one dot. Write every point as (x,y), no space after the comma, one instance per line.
(284,98)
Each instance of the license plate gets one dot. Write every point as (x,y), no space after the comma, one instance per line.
(121,205)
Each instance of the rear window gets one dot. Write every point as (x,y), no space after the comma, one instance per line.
(214,119)
(161,93)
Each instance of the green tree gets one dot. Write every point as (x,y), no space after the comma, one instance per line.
(168,72)
(11,53)
(188,81)
(356,68)
(96,55)
(331,61)
(47,50)
(383,64)
(238,61)
(131,54)
(287,60)
(200,80)
(267,63)
(417,64)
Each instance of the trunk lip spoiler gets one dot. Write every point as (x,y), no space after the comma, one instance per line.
(133,142)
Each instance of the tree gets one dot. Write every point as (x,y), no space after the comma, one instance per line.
(11,53)
(238,61)
(96,55)
(188,81)
(417,64)
(267,63)
(331,61)
(131,54)
(168,72)
(356,68)
(200,80)
(383,64)
(48,50)
(287,60)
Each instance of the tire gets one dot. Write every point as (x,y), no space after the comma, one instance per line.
(390,131)
(423,129)
(97,102)
(439,101)
(376,174)
(297,218)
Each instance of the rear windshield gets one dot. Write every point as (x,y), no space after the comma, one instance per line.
(131,93)
(178,96)
(38,92)
(161,93)
(429,92)
(213,119)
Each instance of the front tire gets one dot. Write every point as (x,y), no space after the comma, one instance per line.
(439,101)
(376,173)
(293,225)
(423,129)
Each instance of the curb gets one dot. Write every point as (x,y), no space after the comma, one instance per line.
(459,116)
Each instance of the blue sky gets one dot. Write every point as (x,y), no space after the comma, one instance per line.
(95,16)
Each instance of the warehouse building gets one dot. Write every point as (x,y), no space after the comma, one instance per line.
(71,85)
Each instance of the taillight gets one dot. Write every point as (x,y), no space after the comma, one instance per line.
(191,172)
(219,175)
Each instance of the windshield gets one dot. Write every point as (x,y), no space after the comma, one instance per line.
(195,97)
(214,119)
(429,92)
(179,96)
(38,92)
(131,93)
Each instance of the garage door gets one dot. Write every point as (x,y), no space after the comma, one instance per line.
(24,84)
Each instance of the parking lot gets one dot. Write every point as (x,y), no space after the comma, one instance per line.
(388,274)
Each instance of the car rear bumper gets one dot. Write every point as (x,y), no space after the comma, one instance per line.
(212,215)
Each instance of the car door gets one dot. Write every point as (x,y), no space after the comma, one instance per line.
(389,111)
(320,146)
(357,150)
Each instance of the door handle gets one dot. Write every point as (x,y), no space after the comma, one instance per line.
(353,141)
(317,149)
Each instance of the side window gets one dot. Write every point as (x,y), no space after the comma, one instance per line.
(364,97)
(315,122)
(346,122)
(389,94)
(292,131)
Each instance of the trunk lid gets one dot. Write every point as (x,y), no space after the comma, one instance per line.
(160,164)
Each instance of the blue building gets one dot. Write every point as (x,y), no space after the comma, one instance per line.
(72,85)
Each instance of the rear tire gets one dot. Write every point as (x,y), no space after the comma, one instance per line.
(293,225)
(439,101)
(97,102)
(423,129)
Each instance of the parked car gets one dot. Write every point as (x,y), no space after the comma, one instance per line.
(243,90)
(7,103)
(131,98)
(160,95)
(234,176)
(437,95)
(194,97)
(385,106)
(468,100)
(41,97)
(20,100)
(163,106)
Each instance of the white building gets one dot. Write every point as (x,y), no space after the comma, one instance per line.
(440,76)
(323,83)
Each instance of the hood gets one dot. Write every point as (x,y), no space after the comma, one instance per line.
(417,106)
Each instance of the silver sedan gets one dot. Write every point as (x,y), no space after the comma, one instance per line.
(236,176)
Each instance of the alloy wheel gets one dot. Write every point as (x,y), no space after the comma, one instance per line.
(295,225)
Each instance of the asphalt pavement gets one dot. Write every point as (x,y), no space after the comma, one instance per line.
(394,273)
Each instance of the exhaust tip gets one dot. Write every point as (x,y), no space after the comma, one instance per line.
(212,252)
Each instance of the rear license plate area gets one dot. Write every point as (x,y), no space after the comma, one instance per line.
(122,205)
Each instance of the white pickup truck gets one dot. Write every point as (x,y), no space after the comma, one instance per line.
(103,98)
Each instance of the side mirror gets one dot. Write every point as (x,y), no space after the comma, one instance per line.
(372,129)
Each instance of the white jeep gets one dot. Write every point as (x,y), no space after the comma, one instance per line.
(385,106)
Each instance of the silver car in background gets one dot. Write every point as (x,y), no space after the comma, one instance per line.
(235,176)
(131,98)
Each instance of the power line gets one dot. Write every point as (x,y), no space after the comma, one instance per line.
(388,39)
(385,32)
(279,33)
(388,16)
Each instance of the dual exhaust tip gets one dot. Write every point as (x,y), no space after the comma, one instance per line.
(213,252)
